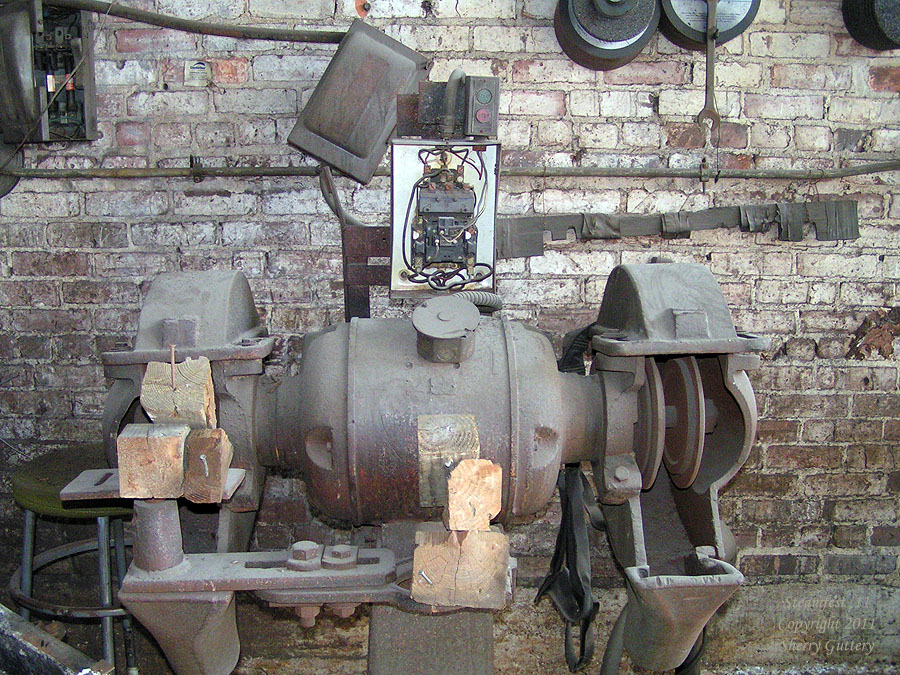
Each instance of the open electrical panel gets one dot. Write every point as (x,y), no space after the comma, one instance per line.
(47,90)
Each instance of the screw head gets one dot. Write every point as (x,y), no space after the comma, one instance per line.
(304,550)
(341,551)
(621,473)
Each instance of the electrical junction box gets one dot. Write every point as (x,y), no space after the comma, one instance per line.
(444,204)
(47,88)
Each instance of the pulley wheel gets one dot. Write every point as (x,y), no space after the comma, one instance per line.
(7,183)
(599,35)
(873,23)
(650,430)
(685,419)
(684,21)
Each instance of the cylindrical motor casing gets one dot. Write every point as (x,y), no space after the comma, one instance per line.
(376,428)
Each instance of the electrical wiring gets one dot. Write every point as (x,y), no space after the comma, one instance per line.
(457,277)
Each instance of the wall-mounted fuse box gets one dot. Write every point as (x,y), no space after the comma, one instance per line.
(47,88)
(444,197)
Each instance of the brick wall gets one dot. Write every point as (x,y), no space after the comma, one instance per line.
(815,509)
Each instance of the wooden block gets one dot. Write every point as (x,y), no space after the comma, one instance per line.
(474,494)
(151,460)
(191,402)
(208,454)
(460,569)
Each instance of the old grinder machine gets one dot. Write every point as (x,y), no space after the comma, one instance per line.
(382,412)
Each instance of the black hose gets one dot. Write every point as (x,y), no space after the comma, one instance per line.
(201,27)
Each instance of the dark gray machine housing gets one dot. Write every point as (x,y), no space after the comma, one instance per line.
(352,112)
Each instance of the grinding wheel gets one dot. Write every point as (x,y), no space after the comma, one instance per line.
(8,153)
(650,430)
(873,23)
(605,34)
(684,21)
(685,419)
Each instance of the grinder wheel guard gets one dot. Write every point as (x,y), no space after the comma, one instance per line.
(605,34)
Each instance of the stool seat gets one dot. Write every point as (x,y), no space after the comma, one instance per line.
(36,484)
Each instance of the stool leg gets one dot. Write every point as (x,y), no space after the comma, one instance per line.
(121,564)
(106,623)
(27,559)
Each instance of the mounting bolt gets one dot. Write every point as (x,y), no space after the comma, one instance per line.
(367,6)
(341,551)
(342,610)
(304,550)
(621,473)
(308,614)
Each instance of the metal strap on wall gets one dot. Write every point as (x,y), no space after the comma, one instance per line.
(833,220)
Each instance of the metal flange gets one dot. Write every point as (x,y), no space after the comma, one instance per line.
(685,419)
(594,36)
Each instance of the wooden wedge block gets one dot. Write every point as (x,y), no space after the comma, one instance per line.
(192,400)
(151,460)
(208,454)
(474,494)
(460,569)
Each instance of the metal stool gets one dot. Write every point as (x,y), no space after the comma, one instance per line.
(35,487)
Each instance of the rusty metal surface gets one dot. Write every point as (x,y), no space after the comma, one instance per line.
(157,535)
(350,420)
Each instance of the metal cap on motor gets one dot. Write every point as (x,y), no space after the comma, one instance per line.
(605,34)
(445,329)
(683,22)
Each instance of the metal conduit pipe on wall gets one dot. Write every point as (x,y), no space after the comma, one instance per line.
(511,172)
(201,27)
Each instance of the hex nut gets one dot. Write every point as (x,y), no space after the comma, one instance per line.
(304,550)
(341,551)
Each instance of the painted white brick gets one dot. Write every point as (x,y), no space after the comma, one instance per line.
(583,103)
(514,133)
(539,9)
(886,140)
(286,202)
(868,111)
(554,132)
(129,203)
(686,102)
(599,135)
(541,40)
(431,38)
(256,101)
(203,202)
(30,206)
(542,292)
(790,45)
(124,73)
(577,201)
(784,107)
(289,67)
(498,39)
(735,74)
(641,135)
(551,70)
(769,136)
(199,9)
(295,9)
(641,201)
(578,263)
(475,9)
(816,138)
(545,103)
(625,104)
(771,11)
(838,264)
(171,104)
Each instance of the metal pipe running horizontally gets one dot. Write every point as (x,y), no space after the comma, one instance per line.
(509,172)
(201,27)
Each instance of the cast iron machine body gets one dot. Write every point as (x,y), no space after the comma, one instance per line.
(383,409)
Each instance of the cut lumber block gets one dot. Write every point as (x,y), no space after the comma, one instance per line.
(191,401)
(474,493)
(460,569)
(208,454)
(151,460)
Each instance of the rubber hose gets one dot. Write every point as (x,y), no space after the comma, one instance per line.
(201,27)
(485,301)
(615,645)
